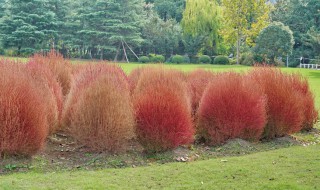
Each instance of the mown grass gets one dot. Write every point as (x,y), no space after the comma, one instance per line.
(289,168)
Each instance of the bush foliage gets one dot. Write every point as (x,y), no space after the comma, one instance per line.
(231,107)
(204,59)
(23,116)
(221,60)
(177,59)
(144,59)
(163,112)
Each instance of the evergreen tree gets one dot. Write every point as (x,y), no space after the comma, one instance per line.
(29,24)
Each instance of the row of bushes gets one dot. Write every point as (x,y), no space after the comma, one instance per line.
(221,60)
(103,108)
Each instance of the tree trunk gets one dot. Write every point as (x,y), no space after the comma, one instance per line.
(116,57)
(238,48)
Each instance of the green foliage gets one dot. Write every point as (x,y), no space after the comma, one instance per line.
(157,58)
(204,59)
(247,59)
(201,17)
(177,59)
(221,60)
(27,52)
(169,9)
(274,41)
(144,59)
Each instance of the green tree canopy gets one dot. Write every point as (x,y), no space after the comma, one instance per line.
(274,41)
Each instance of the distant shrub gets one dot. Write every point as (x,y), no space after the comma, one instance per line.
(84,76)
(247,59)
(204,59)
(231,107)
(58,65)
(2,51)
(27,52)
(233,61)
(157,58)
(11,52)
(198,80)
(163,113)
(103,117)
(221,60)
(285,108)
(186,59)
(23,122)
(144,59)
(259,58)
(177,59)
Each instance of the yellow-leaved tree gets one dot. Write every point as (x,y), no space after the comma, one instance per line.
(243,20)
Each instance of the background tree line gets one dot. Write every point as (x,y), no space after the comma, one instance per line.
(103,29)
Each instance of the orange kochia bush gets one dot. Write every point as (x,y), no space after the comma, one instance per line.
(231,107)
(99,111)
(23,113)
(163,110)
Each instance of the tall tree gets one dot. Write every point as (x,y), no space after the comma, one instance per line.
(169,9)
(202,18)
(29,24)
(244,19)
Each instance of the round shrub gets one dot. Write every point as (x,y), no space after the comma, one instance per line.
(204,59)
(144,59)
(177,59)
(23,117)
(186,59)
(247,59)
(285,105)
(102,118)
(221,60)
(157,59)
(163,114)
(231,107)
(84,76)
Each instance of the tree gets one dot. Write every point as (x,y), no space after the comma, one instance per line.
(300,16)
(169,9)
(29,24)
(202,18)
(312,39)
(244,19)
(274,41)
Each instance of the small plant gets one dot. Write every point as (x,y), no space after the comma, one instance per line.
(177,59)
(221,60)
(144,59)
(247,59)
(204,59)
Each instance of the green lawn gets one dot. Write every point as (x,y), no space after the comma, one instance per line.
(289,168)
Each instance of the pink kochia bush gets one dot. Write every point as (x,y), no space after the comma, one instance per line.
(289,105)
(23,116)
(163,110)
(99,111)
(231,107)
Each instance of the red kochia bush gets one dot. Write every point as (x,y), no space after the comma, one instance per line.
(198,81)
(163,112)
(60,67)
(284,106)
(301,85)
(231,107)
(84,77)
(23,122)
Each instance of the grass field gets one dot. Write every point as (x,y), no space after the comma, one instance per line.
(295,167)
(289,168)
